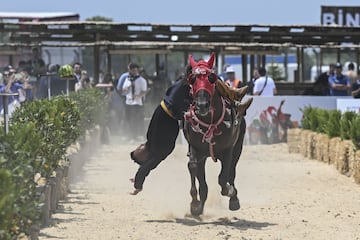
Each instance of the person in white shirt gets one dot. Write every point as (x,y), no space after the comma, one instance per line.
(264,85)
(135,88)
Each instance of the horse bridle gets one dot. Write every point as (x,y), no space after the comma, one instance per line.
(204,79)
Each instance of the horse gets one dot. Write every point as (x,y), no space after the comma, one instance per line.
(213,129)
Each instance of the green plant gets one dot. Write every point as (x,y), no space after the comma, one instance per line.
(355,131)
(93,108)
(305,121)
(321,123)
(333,123)
(7,199)
(345,124)
(310,119)
(39,133)
(18,152)
(57,124)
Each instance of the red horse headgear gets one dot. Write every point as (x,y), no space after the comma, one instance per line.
(202,76)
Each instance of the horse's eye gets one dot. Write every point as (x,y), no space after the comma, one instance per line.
(212,77)
(191,79)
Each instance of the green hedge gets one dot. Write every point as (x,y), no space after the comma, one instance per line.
(333,123)
(39,134)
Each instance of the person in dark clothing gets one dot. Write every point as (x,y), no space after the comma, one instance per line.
(163,130)
(355,87)
(164,126)
(321,86)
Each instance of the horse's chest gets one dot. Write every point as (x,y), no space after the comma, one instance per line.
(222,136)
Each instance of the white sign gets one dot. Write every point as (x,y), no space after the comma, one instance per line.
(348,105)
(340,15)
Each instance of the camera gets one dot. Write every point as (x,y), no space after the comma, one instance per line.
(133,78)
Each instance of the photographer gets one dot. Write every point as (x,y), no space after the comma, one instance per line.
(10,85)
(135,88)
(37,68)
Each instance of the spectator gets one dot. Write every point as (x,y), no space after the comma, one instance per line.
(84,82)
(231,80)
(351,73)
(135,88)
(321,86)
(58,85)
(24,79)
(223,75)
(339,83)
(37,67)
(77,71)
(10,85)
(121,98)
(355,87)
(264,85)
(251,83)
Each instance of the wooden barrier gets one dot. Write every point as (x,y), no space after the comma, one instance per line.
(334,151)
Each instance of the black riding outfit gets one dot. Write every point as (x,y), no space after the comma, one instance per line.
(164,128)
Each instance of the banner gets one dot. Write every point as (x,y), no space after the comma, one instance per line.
(268,118)
(340,15)
(347,105)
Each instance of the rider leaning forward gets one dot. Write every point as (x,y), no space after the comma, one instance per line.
(164,126)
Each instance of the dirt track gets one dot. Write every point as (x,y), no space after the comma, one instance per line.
(282,196)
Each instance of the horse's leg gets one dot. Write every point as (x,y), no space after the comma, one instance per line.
(223,179)
(203,187)
(195,206)
(234,203)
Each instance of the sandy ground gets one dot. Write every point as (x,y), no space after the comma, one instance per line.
(282,196)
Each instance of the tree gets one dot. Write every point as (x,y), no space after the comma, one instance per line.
(99,19)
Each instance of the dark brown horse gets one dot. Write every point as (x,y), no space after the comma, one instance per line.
(213,129)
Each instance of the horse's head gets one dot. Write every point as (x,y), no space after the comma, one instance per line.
(202,81)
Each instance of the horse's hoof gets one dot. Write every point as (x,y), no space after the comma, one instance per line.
(196,209)
(234,204)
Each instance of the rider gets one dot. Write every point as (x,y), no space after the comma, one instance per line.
(164,127)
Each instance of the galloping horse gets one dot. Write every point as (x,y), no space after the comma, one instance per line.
(213,128)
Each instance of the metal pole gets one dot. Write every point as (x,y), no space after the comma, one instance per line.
(49,87)
(6,116)
(67,87)
(6,109)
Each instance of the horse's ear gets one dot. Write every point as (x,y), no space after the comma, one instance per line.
(192,61)
(211,60)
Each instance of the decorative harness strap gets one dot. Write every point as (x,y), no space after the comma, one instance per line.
(211,129)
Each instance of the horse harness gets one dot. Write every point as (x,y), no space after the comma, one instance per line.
(209,130)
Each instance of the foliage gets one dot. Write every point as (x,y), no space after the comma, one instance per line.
(93,105)
(57,123)
(99,19)
(355,131)
(321,116)
(333,123)
(345,124)
(7,199)
(40,131)
(309,120)
(17,150)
